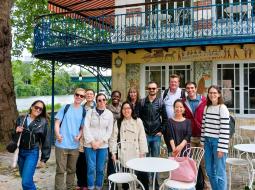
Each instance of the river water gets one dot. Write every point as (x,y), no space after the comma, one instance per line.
(25,103)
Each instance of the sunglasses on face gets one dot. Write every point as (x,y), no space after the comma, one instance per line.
(79,95)
(38,108)
(152,88)
(101,100)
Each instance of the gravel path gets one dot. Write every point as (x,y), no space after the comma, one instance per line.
(44,177)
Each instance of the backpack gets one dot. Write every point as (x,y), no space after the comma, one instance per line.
(66,109)
(232,124)
(182,93)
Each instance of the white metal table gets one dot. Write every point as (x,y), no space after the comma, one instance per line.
(152,164)
(250,148)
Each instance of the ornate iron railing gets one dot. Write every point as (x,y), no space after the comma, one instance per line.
(220,21)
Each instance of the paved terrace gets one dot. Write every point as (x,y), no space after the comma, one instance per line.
(44,177)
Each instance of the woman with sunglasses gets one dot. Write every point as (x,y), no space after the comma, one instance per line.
(97,131)
(215,138)
(34,134)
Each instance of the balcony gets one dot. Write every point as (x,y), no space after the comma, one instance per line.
(58,34)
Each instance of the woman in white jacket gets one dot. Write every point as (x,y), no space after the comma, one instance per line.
(97,132)
(129,129)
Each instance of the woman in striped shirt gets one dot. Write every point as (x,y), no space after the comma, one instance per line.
(215,138)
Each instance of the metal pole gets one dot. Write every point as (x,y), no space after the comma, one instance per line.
(52,100)
(97,79)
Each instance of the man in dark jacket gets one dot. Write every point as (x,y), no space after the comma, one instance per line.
(194,107)
(152,111)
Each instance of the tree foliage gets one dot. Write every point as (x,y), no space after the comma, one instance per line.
(23,19)
(31,81)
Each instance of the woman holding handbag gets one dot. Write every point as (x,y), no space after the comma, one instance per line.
(215,138)
(34,134)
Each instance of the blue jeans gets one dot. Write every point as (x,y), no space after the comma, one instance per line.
(154,151)
(153,145)
(27,162)
(95,165)
(215,167)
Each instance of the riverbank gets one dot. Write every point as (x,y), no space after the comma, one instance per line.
(24,103)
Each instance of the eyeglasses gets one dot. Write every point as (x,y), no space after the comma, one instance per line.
(38,108)
(79,95)
(152,88)
(101,100)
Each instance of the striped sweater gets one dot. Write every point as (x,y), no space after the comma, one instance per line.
(216,124)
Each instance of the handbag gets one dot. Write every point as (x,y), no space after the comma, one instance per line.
(16,153)
(12,146)
(187,170)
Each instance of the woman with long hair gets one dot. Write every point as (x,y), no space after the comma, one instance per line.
(129,128)
(215,138)
(134,97)
(179,129)
(34,134)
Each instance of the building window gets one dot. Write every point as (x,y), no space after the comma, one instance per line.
(238,86)
(183,71)
(234,10)
(156,74)
(161,73)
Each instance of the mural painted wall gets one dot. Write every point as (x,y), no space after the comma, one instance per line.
(133,75)
(208,53)
(128,73)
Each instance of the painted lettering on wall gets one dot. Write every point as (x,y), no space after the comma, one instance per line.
(227,53)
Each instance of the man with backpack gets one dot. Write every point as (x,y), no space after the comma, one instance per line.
(152,112)
(169,96)
(69,122)
(194,106)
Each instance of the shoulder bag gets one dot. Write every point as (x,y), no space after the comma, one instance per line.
(15,148)
(187,170)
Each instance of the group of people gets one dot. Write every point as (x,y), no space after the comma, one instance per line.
(87,134)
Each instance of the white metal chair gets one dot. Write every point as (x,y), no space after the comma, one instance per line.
(195,153)
(251,170)
(235,158)
(123,174)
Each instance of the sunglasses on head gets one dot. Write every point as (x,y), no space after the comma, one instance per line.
(79,95)
(101,100)
(38,108)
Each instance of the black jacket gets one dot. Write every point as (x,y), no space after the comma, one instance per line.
(34,135)
(153,115)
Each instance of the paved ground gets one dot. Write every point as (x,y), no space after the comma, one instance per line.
(44,177)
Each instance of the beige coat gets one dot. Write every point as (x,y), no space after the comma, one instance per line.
(132,137)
